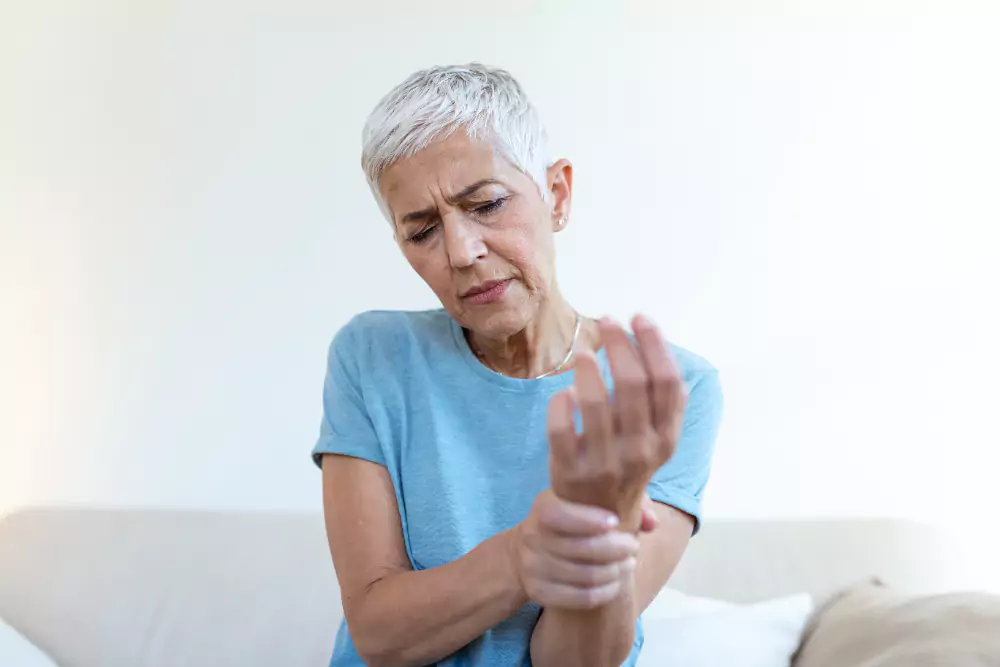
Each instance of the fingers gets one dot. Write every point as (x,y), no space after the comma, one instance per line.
(578,572)
(570,556)
(631,381)
(624,439)
(583,575)
(562,596)
(611,547)
(562,517)
(666,386)
(563,439)
(595,408)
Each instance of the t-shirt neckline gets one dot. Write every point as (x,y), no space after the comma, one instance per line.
(552,382)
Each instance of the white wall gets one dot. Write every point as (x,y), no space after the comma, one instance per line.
(808,199)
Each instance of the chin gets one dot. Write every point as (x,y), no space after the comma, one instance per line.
(497,321)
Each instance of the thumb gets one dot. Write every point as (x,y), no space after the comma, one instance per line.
(649,518)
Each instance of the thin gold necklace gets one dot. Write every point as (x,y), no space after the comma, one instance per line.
(559,366)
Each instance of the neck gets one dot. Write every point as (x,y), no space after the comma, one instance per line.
(539,347)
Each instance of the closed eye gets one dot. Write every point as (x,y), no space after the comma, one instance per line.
(490,207)
(423,235)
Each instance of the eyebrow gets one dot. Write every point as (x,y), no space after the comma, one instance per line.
(424,214)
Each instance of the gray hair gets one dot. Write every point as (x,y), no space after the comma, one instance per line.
(431,104)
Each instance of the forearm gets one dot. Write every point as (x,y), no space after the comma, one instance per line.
(419,617)
(601,637)
(605,636)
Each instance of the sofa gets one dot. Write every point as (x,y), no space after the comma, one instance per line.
(146,588)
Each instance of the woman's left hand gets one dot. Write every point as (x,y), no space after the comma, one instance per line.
(625,439)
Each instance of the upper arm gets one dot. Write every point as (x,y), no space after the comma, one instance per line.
(347,426)
(362,525)
(677,488)
(681,481)
(359,503)
(660,551)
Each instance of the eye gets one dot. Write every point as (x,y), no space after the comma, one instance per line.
(422,235)
(490,207)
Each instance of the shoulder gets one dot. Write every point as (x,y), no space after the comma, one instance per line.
(700,377)
(389,333)
(691,365)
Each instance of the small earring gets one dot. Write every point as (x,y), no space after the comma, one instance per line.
(561,223)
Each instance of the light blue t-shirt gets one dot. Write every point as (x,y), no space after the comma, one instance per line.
(466,448)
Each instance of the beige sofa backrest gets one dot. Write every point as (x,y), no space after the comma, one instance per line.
(169,589)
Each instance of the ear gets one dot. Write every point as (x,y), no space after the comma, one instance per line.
(559,178)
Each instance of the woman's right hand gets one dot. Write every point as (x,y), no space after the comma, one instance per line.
(571,556)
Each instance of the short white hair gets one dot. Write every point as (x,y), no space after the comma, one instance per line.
(431,104)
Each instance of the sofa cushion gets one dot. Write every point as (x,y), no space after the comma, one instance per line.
(875,626)
(700,632)
(162,588)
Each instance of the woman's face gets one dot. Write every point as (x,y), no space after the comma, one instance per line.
(477,230)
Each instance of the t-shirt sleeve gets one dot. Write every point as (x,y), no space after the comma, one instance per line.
(346,427)
(681,481)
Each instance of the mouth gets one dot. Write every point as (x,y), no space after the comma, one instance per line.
(487,292)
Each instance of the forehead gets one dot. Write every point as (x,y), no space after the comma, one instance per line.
(444,167)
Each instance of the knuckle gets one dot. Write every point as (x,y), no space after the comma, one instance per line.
(640,459)
(595,597)
(591,403)
(590,598)
(632,383)
(559,429)
(665,381)
(632,419)
(659,374)
(592,575)
(625,545)
(632,548)
(623,549)
(661,386)
(594,548)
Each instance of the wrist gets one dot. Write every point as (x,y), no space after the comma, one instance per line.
(630,517)
(510,542)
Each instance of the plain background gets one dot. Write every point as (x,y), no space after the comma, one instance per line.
(806,196)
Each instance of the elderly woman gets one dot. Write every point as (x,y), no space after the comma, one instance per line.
(506,482)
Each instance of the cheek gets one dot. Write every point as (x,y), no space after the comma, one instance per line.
(435,272)
(530,250)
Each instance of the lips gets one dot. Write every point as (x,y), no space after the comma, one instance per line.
(486,292)
(483,287)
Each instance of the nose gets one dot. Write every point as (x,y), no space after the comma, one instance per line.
(463,242)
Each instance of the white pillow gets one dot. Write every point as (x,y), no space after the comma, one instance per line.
(699,632)
(674,604)
(16,651)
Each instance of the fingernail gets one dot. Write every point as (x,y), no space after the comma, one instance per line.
(629,565)
(611,521)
